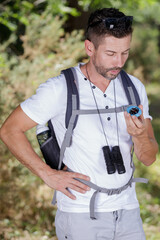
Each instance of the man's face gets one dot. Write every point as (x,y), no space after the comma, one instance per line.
(111,55)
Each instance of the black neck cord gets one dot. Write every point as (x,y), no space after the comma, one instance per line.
(97,106)
(99,111)
(116,111)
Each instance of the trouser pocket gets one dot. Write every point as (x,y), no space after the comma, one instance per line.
(62,226)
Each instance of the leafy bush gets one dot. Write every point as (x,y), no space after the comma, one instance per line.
(25,201)
(144,59)
(47,50)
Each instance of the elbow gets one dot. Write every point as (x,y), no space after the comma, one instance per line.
(149,162)
(151,158)
(156,150)
(148,157)
(4,134)
(1,133)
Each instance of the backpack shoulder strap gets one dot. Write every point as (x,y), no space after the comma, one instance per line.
(130,90)
(71,90)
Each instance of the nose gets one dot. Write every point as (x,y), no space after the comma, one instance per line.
(119,61)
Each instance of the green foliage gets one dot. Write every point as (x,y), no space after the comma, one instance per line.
(60,7)
(25,206)
(12,12)
(26,212)
(15,14)
(144,58)
(25,203)
(47,50)
(149,195)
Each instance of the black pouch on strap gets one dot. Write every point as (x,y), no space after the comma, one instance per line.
(51,153)
(50,149)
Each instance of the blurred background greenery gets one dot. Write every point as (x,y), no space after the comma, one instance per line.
(39,38)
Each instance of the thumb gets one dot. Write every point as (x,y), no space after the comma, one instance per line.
(141,116)
(141,107)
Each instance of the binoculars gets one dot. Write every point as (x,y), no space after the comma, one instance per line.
(113,160)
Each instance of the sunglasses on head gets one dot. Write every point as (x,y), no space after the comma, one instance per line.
(111,23)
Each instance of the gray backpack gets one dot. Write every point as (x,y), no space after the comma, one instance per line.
(51,151)
(50,148)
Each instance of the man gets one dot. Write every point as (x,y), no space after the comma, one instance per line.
(107,44)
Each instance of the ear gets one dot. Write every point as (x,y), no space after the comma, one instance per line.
(89,47)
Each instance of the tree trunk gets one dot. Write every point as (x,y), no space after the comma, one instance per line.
(79,22)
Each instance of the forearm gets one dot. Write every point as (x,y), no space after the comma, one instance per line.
(21,148)
(145,145)
(145,148)
(12,134)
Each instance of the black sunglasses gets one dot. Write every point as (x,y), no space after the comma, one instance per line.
(111,23)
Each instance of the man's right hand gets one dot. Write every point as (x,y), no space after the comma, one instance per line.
(13,135)
(62,180)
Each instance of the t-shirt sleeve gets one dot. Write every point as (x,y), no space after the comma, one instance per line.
(45,104)
(144,102)
(143,96)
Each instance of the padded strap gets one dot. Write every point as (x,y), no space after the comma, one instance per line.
(72,113)
(71,90)
(67,138)
(94,111)
(129,88)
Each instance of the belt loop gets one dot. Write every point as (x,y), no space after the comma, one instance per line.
(115,213)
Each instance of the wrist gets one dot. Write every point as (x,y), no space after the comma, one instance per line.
(140,137)
(45,171)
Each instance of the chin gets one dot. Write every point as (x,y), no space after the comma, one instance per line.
(112,77)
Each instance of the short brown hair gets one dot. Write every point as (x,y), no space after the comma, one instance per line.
(97,29)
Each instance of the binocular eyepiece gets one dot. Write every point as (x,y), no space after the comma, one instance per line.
(113,159)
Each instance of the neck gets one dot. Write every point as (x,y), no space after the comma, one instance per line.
(94,77)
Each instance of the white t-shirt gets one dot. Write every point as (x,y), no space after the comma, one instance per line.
(85,153)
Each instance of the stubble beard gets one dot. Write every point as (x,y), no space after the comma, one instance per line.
(104,72)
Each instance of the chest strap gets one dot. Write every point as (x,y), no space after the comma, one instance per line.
(68,135)
(67,142)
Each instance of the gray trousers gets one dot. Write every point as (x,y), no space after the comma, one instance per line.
(117,225)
